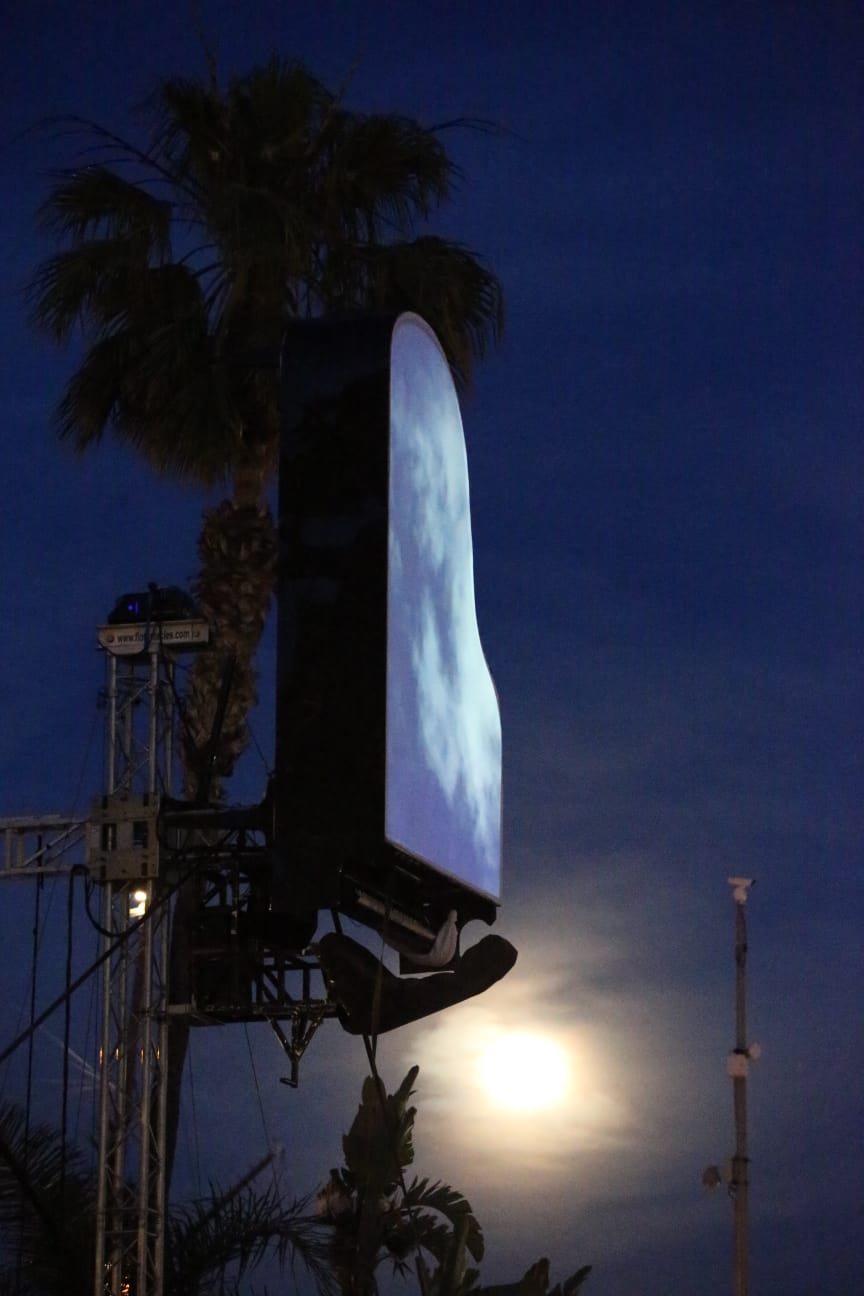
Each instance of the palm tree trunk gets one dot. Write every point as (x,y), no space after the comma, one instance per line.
(237,549)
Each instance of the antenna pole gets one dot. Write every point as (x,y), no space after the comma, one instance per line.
(738,1067)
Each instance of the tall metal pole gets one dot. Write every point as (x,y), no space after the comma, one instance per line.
(738,1066)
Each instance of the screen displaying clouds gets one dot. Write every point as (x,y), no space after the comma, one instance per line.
(443,786)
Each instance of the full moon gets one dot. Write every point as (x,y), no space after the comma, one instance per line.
(524,1072)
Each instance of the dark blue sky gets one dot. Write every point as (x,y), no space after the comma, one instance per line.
(666,473)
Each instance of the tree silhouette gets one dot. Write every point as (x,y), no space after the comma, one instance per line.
(376,1217)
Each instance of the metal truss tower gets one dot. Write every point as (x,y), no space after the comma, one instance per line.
(142,845)
(139,844)
(121,852)
(123,855)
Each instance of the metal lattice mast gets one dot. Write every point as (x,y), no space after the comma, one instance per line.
(124,855)
(139,844)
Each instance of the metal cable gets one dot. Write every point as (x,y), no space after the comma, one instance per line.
(67,1028)
(196,1148)
(162,900)
(256,744)
(26,989)
(34,969)
(89,1019)
(267,1138)
(85,760)
(370,1043)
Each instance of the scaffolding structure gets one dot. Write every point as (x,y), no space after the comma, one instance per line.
(123,855)
(139,845)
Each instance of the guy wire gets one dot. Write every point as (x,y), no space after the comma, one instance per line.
(370,1043)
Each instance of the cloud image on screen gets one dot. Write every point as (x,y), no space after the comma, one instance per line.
(443,773)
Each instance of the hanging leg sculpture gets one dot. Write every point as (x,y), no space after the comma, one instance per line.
(372,1000)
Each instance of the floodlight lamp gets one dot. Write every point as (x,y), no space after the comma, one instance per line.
(138,903)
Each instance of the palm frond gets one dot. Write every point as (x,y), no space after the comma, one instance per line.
(46,1196)
(452,1277)
(187,130)
(535,1282)
(421,1197)
(573,1283)
(381,171)
(379,1144)
(449,287)
(96,202)
(232,1233)
(98,138)
(85,285)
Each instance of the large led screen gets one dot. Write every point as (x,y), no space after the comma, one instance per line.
(388,739)
(443,773)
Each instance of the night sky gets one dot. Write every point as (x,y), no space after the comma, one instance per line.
(666,479)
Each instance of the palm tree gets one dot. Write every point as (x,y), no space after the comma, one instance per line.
(375,1216)
(180,261)
(47,1225)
